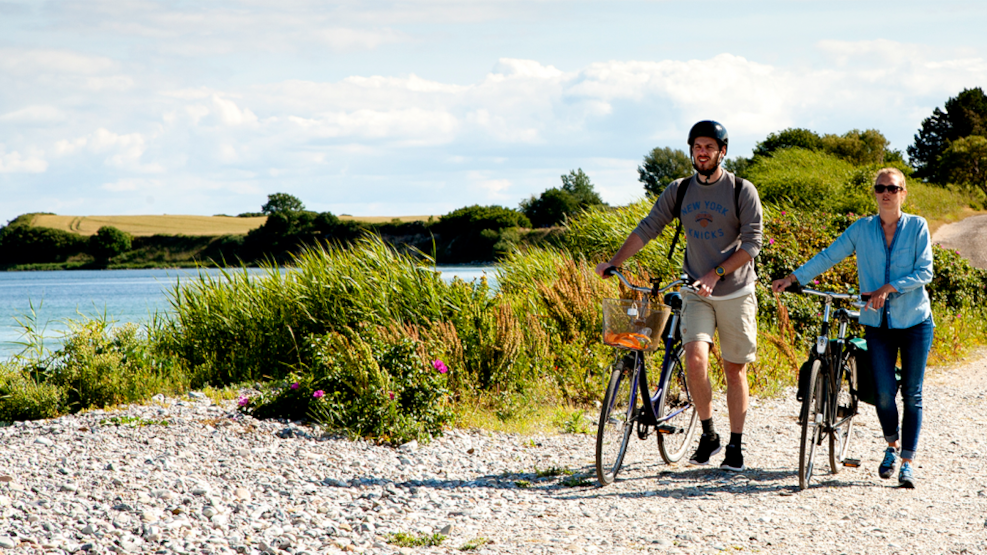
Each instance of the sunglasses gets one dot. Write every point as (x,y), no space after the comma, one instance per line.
(893,189)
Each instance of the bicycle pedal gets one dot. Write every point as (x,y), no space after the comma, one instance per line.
(851,463)
(666,429)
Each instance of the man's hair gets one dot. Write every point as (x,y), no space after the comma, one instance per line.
(891,171)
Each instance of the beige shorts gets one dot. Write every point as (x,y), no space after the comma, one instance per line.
(734,319)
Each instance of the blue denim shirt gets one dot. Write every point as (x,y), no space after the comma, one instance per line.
(906,265)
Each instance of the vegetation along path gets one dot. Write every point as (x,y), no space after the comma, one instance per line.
(192,476)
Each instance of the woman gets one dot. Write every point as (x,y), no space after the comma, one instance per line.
(894,262)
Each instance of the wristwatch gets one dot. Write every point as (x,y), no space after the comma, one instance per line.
(720,271)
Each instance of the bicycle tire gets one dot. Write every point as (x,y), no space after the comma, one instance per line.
(675,395)
(813,416)
(845,404)
(615,425)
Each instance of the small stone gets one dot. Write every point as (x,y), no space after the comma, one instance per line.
(7,542)
(45,441)
(242,494)
(88,530)
(446,530)
(70,487)
(6,478)
(409,447)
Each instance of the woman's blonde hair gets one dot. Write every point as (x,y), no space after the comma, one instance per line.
(892,171)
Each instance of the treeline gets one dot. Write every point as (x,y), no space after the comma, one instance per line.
(470,234)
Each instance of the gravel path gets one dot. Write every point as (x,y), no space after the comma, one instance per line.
(968,237)
(212,481)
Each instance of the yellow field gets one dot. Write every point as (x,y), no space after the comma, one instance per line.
(385,219)
(179,225)
(152,225)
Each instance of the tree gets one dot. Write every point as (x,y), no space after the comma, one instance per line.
(964,115)
(108,242)
(789,138)
(280,203)
(857,147)
(578,185)
(554,205)
(550,208)
(661,167)
(965,162)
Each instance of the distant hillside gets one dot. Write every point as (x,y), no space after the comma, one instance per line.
(145,226)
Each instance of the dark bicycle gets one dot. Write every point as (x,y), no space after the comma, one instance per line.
(635,327)
(830,399)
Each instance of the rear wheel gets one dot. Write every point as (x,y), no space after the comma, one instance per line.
(813,420)
(846,408)
(675,434)
(616,423)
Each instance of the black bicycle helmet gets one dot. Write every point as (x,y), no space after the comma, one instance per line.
(712,129)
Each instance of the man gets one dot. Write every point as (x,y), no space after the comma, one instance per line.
(723,235)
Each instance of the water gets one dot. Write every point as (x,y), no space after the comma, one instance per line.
(121,295)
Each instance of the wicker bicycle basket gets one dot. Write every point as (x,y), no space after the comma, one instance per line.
(629,324)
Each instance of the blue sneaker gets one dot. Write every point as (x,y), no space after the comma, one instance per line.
(906,478)
(887,465)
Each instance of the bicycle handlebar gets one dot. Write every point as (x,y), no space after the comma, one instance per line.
(655,289)
(795,288)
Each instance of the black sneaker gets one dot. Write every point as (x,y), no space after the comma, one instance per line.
(707,448)
(734,459)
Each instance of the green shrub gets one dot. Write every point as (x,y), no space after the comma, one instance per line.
(108,242)
(21,243)
(365,386)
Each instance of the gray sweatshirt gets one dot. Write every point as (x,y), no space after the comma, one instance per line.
(712,230)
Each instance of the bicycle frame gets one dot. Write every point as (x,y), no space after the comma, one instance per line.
(672,340)
(833,359)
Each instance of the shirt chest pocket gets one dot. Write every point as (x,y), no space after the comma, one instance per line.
(903,259)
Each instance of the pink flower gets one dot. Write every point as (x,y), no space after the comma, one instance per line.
(783,212)
(319,394)
(295,385)
(815,282)
(243,401)
(771,241)
(391,395)
(440,366)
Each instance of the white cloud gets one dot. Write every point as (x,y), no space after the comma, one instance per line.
(35,61)
(15,162)
(231,114)
(33,114)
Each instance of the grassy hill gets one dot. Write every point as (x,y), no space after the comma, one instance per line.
(145,226)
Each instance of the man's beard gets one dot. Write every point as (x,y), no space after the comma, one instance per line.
(707,173)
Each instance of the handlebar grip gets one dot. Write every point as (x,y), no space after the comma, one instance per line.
(610,271)
(865,298)
(794,288)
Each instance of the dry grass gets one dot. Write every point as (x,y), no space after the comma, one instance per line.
(386,219)
(152,225)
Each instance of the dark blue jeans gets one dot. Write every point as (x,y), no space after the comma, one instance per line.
(884,345)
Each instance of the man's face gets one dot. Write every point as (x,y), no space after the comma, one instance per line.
(707,153)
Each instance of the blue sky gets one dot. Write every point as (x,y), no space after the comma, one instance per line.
(421,107)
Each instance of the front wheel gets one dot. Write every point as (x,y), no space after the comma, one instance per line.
(813,420)
(616,423)
(846,407)
(675,434)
